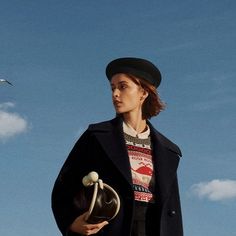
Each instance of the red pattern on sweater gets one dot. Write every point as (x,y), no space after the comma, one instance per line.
(142,172)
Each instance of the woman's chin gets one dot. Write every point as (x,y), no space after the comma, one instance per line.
(119,111)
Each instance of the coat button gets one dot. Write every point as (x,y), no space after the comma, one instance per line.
(172,213)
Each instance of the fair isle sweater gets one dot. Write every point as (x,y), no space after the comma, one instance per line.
(140,157)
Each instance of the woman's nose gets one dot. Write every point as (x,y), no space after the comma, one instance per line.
(115,93)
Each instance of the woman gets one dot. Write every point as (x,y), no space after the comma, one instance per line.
(131,156)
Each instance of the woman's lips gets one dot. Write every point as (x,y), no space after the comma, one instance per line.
(117,103)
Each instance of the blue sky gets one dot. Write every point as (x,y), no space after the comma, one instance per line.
(55,53)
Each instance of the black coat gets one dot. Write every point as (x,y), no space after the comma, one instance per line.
(102,149)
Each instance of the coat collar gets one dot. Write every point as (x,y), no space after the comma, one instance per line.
(166,160)
(166,154)
(110,136)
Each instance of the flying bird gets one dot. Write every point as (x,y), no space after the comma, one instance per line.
(6,81)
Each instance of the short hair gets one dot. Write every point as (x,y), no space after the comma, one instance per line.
(153,104)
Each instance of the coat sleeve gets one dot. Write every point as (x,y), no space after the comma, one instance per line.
(68,184)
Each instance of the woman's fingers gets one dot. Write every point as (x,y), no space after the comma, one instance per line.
(94,228)
(82,227)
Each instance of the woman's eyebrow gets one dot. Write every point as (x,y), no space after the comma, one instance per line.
(120,82)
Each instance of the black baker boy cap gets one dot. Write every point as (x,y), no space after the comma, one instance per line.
(138,67)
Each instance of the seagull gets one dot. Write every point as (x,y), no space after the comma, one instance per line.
(6,81)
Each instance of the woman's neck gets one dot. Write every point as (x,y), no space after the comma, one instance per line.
(136,122)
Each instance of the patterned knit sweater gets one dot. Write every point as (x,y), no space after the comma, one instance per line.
(140,157)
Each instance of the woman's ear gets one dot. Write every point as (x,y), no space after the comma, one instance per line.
(144,96)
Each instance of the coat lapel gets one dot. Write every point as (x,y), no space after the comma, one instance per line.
(110,136)
(166,160)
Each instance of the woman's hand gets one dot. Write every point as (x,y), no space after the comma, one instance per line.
(82,227)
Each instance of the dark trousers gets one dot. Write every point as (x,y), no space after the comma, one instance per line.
(144,223)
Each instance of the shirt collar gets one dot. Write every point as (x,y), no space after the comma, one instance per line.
(132,132)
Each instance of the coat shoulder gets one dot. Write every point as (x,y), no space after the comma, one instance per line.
(103,126)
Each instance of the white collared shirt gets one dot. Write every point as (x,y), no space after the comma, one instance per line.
(128,129)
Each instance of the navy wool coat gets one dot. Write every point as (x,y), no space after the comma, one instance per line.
(102,148)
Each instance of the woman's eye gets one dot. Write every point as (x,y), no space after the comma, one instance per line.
(123,86)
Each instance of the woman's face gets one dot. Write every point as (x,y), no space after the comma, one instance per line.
(127,96)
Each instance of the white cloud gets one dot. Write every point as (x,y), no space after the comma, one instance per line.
(215,190)
(6,105)
(11,124)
